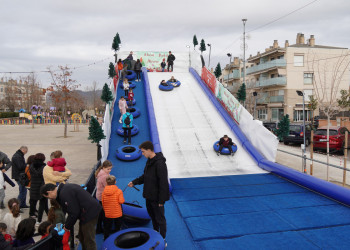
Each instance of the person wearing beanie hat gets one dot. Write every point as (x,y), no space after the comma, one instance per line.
(170,60)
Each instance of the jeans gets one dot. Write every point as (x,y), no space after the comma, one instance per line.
(108,224)
(157,215)
(138,74)
(126,92)
(127,133)
(229,148)
(22,196)
(87,234)
(170,64)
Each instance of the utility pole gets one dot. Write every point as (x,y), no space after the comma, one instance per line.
(244,21)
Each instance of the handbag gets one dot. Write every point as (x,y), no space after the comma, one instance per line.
(24,179)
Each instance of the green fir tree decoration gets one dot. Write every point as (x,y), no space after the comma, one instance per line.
(106,95)
(95,131)
(202,46)
(195,42)
(218,71)
(118,38)
(111,70)
(241,93)
(115,44)
(283,128)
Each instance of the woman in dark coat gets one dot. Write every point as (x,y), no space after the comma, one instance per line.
(37,180)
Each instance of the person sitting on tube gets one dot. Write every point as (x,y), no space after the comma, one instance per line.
(164,83)
(227,143)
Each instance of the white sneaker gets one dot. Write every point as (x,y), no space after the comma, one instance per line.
(120,121)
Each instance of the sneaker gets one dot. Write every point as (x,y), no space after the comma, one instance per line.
(21,211)
(33,216)
(218,153)
(232,154)
(120,121)
(124,141)
(37,223)
(165,244)
(129,143)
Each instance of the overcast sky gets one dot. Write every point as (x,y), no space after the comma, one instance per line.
(40,33)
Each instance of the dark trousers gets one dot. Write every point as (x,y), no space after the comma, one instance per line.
(87,234)
(170,64)
(108,225)
(229,148)
(43,206)
(130,103)
(22,195)
(100,220)
(157,215)
(126,92)
(138,74)
(127,133)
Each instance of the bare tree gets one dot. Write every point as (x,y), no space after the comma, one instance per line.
(62,87)
(12,93)
(328,76)
(32,91)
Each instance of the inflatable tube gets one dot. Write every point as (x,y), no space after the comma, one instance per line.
(130,74)
(134,130)
(135,112)
(225,151)
(131,85)
(166,88)
(133,102)
(177,84)
(128,153)
(135,238)
(135,214)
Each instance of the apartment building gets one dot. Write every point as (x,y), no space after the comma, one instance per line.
(276,74)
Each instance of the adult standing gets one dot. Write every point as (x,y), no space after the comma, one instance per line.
(6,164)
(129,59)
(79,205)
(127,125)
(137,68)
(156,186)
(37,180)
(18,167)
(170,61)
(53,177)
(123,73)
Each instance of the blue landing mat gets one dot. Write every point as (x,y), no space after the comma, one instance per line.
(225,181)
(237,191)
(233,225)
(283,240)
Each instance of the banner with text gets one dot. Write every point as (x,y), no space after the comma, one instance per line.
(209,79)
(229,102)
(152,59)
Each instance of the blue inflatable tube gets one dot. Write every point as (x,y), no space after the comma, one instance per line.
(135,238)
(166,88)
(134,130)
(329,189)
(135,214)
(135,112)
(130,74)
(152,117)
(176,84)
(131,85)
(133,102)
(224,151)
(128,153)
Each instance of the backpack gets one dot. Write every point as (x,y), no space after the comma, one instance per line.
(127,120)
(24,179)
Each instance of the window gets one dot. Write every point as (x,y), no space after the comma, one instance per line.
(262,114)
(308,78)
(298,115)
(277,114)
(272,75)
(298,60)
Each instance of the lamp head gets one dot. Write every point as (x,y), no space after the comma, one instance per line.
(255,93)
(229,54)
(209,44)
(300,93)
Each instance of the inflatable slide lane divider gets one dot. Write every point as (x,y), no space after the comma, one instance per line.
(328,189)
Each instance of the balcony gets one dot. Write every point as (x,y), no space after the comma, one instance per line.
(234,75)
(265,66)
(264,99)
(277,81)
(278,98)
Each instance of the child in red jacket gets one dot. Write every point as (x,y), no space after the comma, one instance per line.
(58,163)
(3,228)
(130,97)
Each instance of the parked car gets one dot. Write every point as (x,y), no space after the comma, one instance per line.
(272,126)
(336,138)
(296,134)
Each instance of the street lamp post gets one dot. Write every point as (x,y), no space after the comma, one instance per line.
(254,94)
(189,54)
(301,93)
(209,53)
(230,56)
(244,21)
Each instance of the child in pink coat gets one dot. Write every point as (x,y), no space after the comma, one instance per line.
(122,107)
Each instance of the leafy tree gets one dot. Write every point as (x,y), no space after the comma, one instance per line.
(111,70)
(195,42)
(202,46)
(313,103)
(344,101)
(106,95)
(283,128)
(218,71)
(241,93)
(96,135)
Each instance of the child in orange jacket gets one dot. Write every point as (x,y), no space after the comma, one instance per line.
(112,198)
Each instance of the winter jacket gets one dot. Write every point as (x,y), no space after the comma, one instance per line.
(163,64)
(131,96)
(5,245)
(222,141)
(155,179)
(112,198)
(126,86)
(131,119)
(5,160)
(122,106)
(49,177)
(120,65)
(137,66)
(77,203)
(18,164)
(101,184)
(171,59)
(37,179)
(58,164)
(123,73)
(130,57)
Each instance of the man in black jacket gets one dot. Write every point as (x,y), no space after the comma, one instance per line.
(18,167)
(156,186)
(78,204)
(170,60)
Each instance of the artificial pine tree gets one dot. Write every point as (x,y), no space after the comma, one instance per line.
(195,42)
(118,39)
(96,135)
(241,93)
(111,70)
(115,44)
(106,95)
(283,128)
(217,71)
(202,46)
